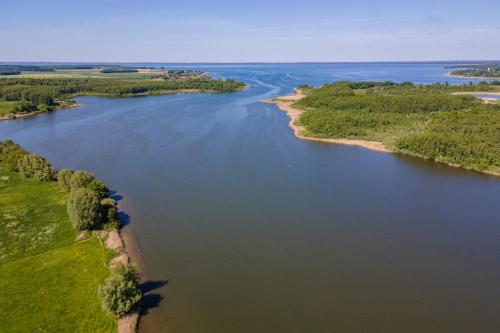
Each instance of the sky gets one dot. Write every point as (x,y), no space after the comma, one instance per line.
(248,31)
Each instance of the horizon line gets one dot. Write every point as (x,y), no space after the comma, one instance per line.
(252,62)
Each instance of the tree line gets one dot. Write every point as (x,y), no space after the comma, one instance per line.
(42,94)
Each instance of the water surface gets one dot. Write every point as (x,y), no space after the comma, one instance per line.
(257,231)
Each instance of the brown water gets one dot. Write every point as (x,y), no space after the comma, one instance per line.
(244,228)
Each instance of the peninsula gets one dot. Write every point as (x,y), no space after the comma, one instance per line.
(441,122)
(27,91)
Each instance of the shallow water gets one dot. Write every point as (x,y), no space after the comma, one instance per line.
(257,231)
(489,96)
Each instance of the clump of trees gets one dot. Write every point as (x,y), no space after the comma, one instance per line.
(36,167)
(89,206)
(423,120)
(11,154)
(15,158)
(120,293)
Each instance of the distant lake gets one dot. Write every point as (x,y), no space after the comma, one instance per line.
(257,231)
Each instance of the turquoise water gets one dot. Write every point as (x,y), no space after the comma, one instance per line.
(257,231)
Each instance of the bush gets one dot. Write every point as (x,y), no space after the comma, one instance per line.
(64,179)
(45,108)
(99,187)
(36,167)
(83,208)
(108,212)
(10,154)
(81,179)
(25,106)
(120,293)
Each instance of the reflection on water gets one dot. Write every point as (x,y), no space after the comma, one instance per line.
(244,228)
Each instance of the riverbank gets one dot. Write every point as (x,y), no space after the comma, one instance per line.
(15,116)
(73,104)
(472,77)
(286,104)
(48,277)
(115,242)
(44,229)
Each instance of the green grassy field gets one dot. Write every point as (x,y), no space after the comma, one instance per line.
(33,217)
(94,73)
(48,281)
(6,107)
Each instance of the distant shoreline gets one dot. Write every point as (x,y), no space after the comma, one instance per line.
(155,93)
(473,77)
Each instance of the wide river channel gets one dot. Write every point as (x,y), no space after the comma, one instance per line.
(244,228)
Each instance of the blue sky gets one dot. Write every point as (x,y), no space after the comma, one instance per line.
(247,31)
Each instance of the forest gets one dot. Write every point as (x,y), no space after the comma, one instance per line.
(43,94)
(421,120)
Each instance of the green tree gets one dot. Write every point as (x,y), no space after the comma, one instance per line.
(25,106)
(10,154)
(64,179)
(120,293)
(81,179)
(36,167)
(99,187)
(109,213)
(83,208)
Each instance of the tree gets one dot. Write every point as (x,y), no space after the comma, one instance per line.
(99,187)
(25,106)
(36,167)
(120,293)
(109,214)
(64,179)
(83,208)
(10,154)
(81,179)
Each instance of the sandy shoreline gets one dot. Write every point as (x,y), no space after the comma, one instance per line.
(472,77)
(285,104)
(36,113)
(123,243)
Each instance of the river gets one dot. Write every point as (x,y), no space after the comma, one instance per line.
(244,228)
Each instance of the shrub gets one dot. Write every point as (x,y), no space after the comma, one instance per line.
(25,106)
(120,292)
(99,187)
(64,179)
(81,179)
(45,108)
(83,208)
(108,212)
(36,167)
(10,154)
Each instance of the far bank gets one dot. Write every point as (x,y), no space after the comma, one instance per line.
(443,123)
